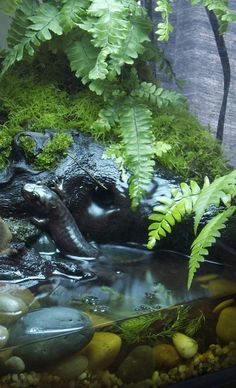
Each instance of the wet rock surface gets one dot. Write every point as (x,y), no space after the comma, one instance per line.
(24,263)
(48,334)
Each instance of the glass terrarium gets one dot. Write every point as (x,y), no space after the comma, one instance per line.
(117,193)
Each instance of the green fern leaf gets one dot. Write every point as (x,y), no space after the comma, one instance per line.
(25,36)
(82,56)
(100,69)
(205,239)
(212,195)
(157,96)
(161,148)
(164,28)
(18,40)
(172,210)
(108,23)
(132,45)
(138,139)
(71,13)
(45,21)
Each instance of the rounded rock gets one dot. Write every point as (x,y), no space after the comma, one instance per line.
(15,365)
(71,367)
(4,334)
(49,334)
(11,308)
(138,365)
(166,356)
(102,350)
(226,325)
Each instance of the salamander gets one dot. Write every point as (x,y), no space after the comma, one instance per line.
(58,221)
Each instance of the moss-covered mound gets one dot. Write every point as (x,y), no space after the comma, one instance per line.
(194,152)
(34,103)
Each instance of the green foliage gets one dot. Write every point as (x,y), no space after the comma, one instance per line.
(219,7)
(53,151)
(5,146)
(106,43)
(205,239)
(191,200)
(161,324)
(29,104)
(103,42)
(172,210)
(194,151)
(138,139)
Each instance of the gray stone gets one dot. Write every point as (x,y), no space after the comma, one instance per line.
(15,365)
(49,334)
(138,365)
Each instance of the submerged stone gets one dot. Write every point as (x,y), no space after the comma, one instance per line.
(226,325)
(11,308)
(138,365)
(102,350)
(48,334)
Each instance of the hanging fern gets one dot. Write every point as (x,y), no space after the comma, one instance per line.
(29,36)
(172,210)
(191,200)
(219,7)
(137,136)
(218,191)
(206,239)
(71,13)
(157,96)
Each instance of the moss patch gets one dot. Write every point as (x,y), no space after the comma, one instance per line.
(194,151)
(34,105)
(30,101)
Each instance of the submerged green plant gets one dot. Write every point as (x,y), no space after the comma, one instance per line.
(191,200)
(161,325)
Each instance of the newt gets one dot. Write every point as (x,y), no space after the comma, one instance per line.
(55,217)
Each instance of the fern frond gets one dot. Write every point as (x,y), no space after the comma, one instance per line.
(206,239)
(71,13)
(25,36)
(138,139)
(82,56)
(213,194)
(157,96)
(172,210)
(132,45)
(45,21)
(108,23)
(164,28)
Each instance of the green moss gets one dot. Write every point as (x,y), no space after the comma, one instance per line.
(28,144)
(5,146)
(53,151)
(194,152)
(34,105)
(34,102)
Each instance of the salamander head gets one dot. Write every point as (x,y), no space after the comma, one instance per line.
(40,197)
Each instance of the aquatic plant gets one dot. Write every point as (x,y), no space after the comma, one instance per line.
(105,42)
(161,325)
(190,199)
